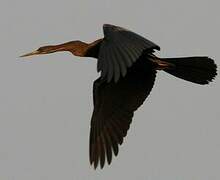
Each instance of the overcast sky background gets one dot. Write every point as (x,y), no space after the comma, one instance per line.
(46,101)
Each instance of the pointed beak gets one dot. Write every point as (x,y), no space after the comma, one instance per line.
(32,53)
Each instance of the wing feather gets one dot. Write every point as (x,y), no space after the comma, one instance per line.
(121,63)
(126,53)
(123,48)
(114,106)
(111,57)
(108,144)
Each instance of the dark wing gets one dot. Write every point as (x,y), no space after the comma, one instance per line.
(114,105)
(119,49)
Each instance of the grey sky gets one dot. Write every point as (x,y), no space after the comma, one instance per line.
(46,101)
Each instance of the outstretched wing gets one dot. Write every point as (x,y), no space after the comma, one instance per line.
(114,105)
(119,49)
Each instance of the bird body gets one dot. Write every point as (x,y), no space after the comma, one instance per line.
(128,70)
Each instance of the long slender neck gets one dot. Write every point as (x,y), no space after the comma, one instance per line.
(82,49)
(77,48)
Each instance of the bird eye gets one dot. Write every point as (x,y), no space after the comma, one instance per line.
(44,48)
(40,49)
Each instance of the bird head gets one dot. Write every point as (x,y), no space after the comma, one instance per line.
(77,48)
(42,50)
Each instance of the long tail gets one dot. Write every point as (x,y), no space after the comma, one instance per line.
(200,70)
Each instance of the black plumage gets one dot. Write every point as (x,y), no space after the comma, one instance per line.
(114,105)
(122,48)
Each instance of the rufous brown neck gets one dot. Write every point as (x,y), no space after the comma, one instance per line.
(77,48)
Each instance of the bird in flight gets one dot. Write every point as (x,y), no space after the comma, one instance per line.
(128,69)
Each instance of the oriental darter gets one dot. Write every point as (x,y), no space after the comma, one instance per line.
(128,69)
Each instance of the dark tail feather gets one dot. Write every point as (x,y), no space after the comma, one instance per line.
(200,70)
